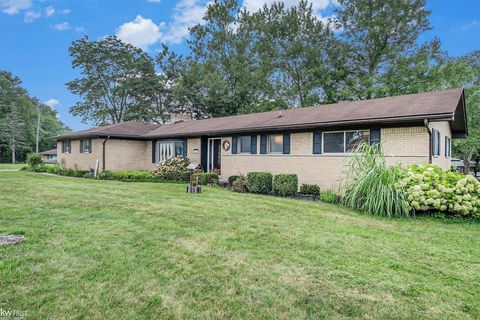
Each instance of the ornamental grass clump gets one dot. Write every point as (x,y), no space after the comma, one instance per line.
(373,187)
(429,188)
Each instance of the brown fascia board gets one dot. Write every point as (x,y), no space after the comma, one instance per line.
(363,122)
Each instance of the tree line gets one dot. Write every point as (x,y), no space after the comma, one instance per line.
(279,57)
(25,122)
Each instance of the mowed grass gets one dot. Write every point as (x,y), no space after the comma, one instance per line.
(11,166)
(104,249)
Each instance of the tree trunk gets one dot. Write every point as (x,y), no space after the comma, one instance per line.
(38,129)
(467,156)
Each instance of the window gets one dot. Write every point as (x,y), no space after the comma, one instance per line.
(275,143)
(448,147)
(168,149)
(52,157)
(66,146)
(345,141)
(436,142)
(245,144)
(86,146)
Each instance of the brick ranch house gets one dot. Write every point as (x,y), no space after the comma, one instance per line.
(313,142)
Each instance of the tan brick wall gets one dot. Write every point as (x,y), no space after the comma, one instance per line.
(125,155)
(401,145)
(82,161)
(444,129)
(193,149)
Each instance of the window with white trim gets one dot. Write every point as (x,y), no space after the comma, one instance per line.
(66,147)
(344,141)
(448,147)
(168,149)
(245,144)
(275,143)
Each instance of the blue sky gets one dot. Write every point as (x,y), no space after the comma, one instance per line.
(35,34)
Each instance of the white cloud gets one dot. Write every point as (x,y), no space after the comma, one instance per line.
(63,26)
(52,102)
(140,32)
(154,1)
(471,24)
(32,15)
(49,11)
(12,7)
(79,29)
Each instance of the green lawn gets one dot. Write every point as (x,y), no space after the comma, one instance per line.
(103,249)
(10,166)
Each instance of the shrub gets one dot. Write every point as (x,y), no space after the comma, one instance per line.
(311,189)
(173,169)
(240,184)
(25,168)
(373,186)
(40,168)
(285,184)
(428,187)
(69,172)
(51,169)
(259,182)
(329,197)
(34,160)
(127,176)
(232,179)
(210,178)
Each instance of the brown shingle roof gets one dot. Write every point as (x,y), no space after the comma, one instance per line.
(127,129)
(406,108)
(446,104)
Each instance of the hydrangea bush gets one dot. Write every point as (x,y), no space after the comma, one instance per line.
(428,187)
(172,169)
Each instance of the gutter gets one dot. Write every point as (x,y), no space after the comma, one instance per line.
(104,145)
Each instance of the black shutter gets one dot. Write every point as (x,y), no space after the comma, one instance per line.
(286,143)
(446,146)
(263,144)
(317,142)
(89,145)
(185,145)
(81,146)
(253,144)
(63,146)
(375,136)
(234,144)
(204,152)
(154,146)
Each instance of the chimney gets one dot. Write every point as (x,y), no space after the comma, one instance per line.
(179,117)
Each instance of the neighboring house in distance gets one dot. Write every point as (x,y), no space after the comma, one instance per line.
(459,165)
(313,142)
(49,156)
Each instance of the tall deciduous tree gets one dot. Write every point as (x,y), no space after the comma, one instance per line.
(378,32)
(108,68)
(13,131)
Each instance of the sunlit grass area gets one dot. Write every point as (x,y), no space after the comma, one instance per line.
(11,166)
(106,249)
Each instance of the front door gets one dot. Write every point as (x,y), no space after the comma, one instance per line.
(214,155)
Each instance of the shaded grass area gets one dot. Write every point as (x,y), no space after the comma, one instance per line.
(106,249)
(11,166)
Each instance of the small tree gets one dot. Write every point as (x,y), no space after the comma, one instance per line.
(34,160)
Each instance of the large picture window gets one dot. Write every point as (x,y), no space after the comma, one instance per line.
(168,149)
(344,141)
(275,143)
(245,144)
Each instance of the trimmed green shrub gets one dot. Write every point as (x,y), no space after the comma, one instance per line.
(69,172)
(373,186)
(210,178)
(34,160)
(127,176)
(259,182)
(240,184)
(40,168)
(232,179)
(311,189)
(285,184)
(428,187)
(51,169)
(173,169)
(329,197)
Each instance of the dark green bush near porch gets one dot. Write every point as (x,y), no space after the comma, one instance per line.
(240,184)
(232,179)
(285,184)
(259,182)
(310,189)
(207,178)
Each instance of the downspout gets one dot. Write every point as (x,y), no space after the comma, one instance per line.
(426,123)
(104,144)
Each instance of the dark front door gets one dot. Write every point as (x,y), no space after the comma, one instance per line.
(214,154)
